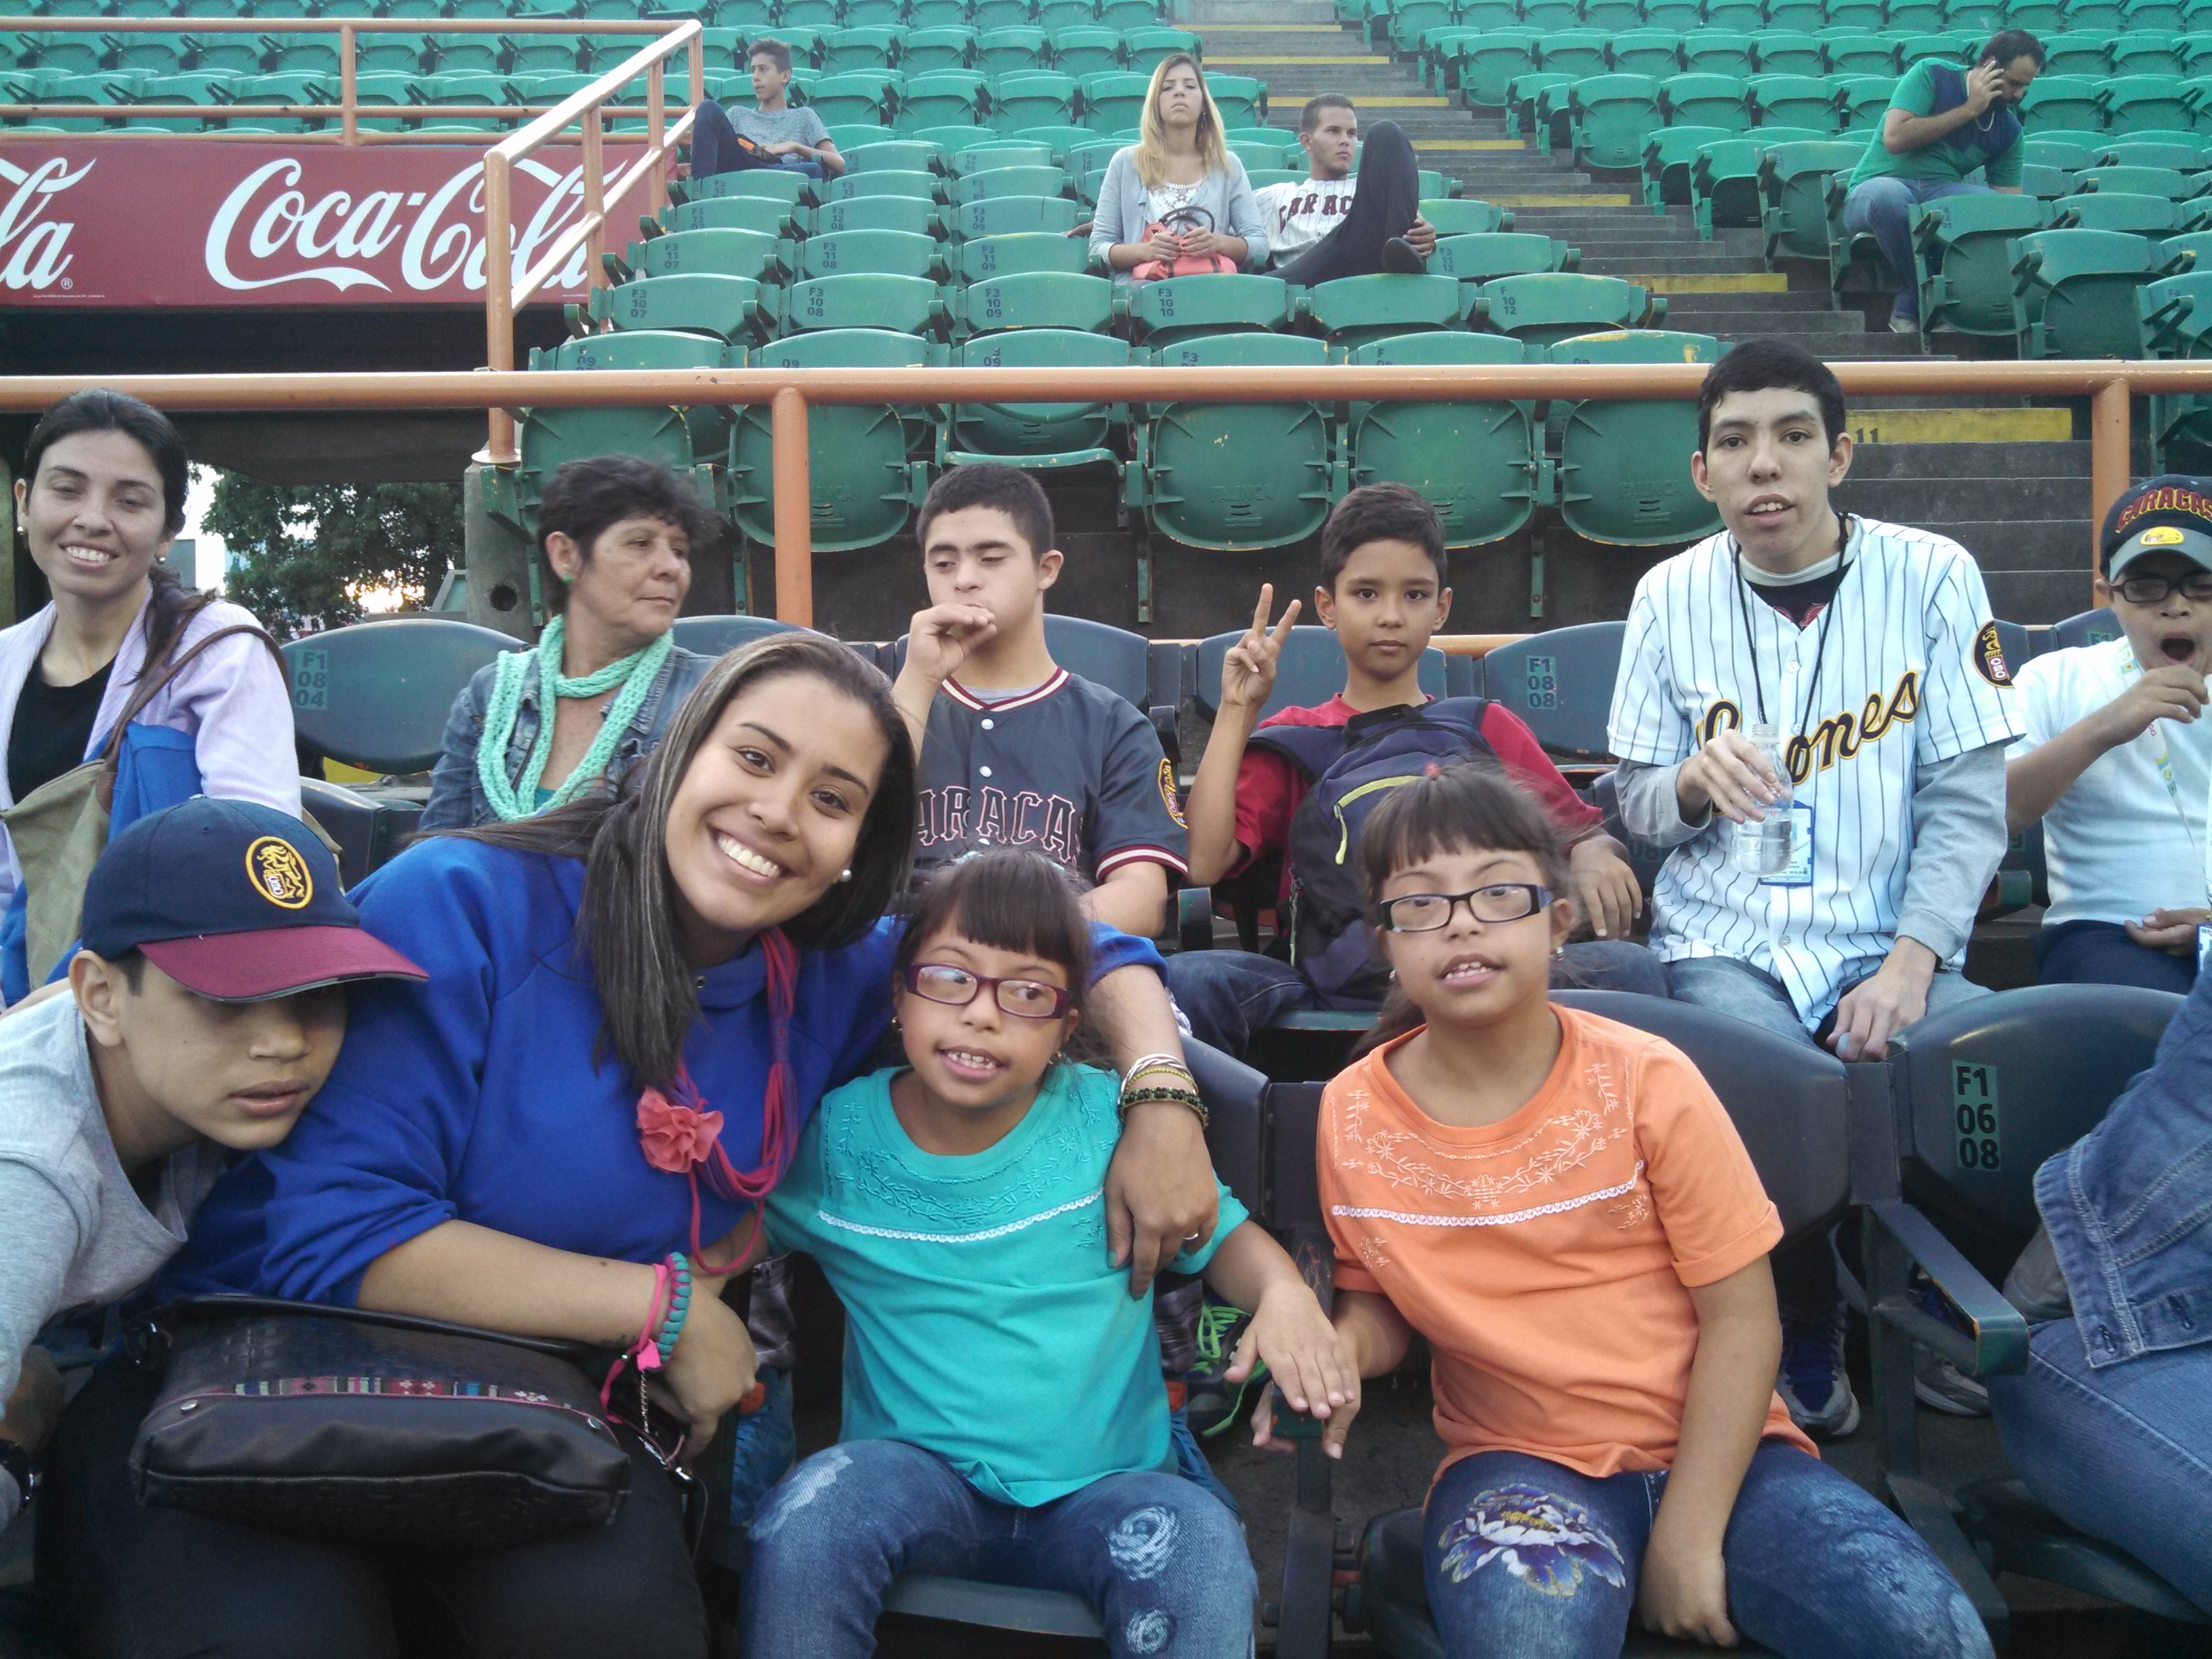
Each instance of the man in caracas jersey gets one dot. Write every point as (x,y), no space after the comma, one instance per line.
(1829,896)
(1313,235)
(1944,124)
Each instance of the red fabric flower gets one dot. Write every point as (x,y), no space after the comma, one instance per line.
(674,1137)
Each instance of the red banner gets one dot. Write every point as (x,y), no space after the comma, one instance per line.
(152,222)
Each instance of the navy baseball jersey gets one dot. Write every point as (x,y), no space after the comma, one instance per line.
(1068,770)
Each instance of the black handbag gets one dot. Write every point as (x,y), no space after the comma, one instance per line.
(357,1427)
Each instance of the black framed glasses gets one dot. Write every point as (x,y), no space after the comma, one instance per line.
(2153,590)
(956,987)
(1424,913)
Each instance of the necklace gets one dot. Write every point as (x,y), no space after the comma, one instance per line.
(1821,644)
(634,673)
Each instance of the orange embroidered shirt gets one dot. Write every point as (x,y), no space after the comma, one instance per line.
(1547,1257)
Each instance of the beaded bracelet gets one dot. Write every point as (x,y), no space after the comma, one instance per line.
(1188,1097)
(671,1326)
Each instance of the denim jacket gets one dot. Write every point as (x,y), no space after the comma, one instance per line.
(2130,1205)
(457,796)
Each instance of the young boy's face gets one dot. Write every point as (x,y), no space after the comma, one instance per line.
(1332,143)
(238,1073)
(769,81)
(2174,631)
(1768,465)
(1389,600)
(975,556)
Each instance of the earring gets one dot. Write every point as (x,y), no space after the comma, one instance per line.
(844,875)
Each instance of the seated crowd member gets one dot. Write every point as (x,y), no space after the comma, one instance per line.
(202,1014)
(775,133)
(1603,1360)
(1004,1418)
(100,498)
(2116,762)
(1176,192)
(615,536)
(1870,649)
(1382,590)
(633,1005)
(1320,230)
(1944,124)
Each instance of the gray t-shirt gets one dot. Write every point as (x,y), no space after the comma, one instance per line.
(76,1234)
(792,125)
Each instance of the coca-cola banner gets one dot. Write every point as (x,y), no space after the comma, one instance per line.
(152,222)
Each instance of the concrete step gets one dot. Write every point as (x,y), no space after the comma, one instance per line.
(2040,596)
(1968,460)
(1823,326)
(1774,301)
(1637,267)
(2011,544)
(1929,500)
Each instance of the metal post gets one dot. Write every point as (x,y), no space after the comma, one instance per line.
(595,202)
(349,123)
(2108,455)
(698,72)
(794,510)
(656,131)
(498,299)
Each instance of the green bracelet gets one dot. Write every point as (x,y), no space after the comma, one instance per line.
(1188,1097)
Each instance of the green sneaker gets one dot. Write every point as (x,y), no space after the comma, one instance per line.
(1211,1401)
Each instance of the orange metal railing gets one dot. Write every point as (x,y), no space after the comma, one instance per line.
(789,393)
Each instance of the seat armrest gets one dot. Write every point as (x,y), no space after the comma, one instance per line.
(1998,1344)
(1194,918)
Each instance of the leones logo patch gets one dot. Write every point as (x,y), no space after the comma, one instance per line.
(278,873)
(1990,656)
(1168,792)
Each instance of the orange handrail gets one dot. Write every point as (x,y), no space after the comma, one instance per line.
(2107,384)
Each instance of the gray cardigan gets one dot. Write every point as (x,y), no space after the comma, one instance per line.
(1124,211)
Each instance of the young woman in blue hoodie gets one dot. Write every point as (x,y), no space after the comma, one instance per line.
(633,1006)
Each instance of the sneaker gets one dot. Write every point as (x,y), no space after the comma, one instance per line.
(1398,257)
(1812,1382)
(1902,324)
(1936,1381)
(1210,1399)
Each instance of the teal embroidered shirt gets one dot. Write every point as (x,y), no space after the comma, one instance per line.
(983,1322)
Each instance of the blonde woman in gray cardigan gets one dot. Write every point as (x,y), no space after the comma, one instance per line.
(1180,166)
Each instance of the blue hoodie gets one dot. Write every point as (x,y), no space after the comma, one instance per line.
(477,1096)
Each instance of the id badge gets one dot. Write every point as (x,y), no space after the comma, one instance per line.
(2203,945)
(1799,871)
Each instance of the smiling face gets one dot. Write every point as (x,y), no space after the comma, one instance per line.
(95,516)
(632,585)
(977,556)
(980,1058)
(1387,603)
(769,810)
(1331,144)
(1182,98)
(1768,466)
(1469,973)
(2176,630)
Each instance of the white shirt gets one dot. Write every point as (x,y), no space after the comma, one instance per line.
(2119,842)
(1299,215)
(1910,676)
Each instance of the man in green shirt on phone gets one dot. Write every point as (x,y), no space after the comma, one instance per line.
(1943,124)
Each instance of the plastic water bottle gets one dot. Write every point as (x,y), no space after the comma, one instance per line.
(1764,847)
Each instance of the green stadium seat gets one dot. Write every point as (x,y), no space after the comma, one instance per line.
(909,214)
(1782,51)
(1242,100)
(1482,256)
(1576,52)
(1061,140)
(2046,183)
(736,309)
(165,54)
(377,695)
(1113,100)
(2130,178)
(1352,310)
(809,14)
(1257,155)
(2072,151)
(861,14)
(392,91)
(2041,18)
(89,91)
(2181,150)
(1792,100)
(942,98)
(541,54)
(1034,435)
(860,48)
(550,437)
(1473,462)
(1620,478)
(2174,314)
(1035,299)
(1861,100)
(1142,49)
(1667,154)
(1232,477)
(1009,181)
(858,96)
(873,253)
(1180,309)
(1979,18)
(881,154)
(1724,185)
(1525,95)
(1542,309)
(1796,16)
(1004,215)
(762,214)
(857,299)
(939,13)
(1009,50)
(1611,117)
(455,54)
(1846,55)
(190,89)
(1128,14)
(394,54)
(890,181)
(1053,15)
(2133,54)
(948,47)
(952,140)
(986,256)
(1399,28)
(704,252)
(2062,103)
(1944,46)
(988,14)
(86,54)
(1487,62)
(2088,55)
(1720,51)
(278,89)
(2143,103)
(2074,292)
(708,424)
(1683,14)
(1085,52)
(1793,185)
(1547,16)
(2158,15)
(1699,100)
(2100,16)
(2126,211)
(775,184)
(1559,683)
(1464,217)
(1033,98)
(2196,54)
(1655,52)
(1962,259)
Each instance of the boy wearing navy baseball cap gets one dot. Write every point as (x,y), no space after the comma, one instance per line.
(206,1008)
(2116,763)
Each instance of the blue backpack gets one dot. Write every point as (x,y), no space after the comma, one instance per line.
(1351,768)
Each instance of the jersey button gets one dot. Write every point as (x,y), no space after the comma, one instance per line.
(985,770)
(987,726)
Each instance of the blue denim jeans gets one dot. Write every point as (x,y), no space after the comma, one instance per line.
(1729,986)
(2123,1452)
(1162,1561)
(2102,953)
(1526,1557)
(1884,206)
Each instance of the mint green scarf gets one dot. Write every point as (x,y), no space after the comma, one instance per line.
(634,673)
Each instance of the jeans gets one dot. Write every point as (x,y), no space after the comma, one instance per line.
(1163,1563)
(1884,206)
(2123,1452)
(1524,1556)
(714,147)
(1388,200)
(2102,953)
(1228,995)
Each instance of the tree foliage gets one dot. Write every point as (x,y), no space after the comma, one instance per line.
(301,555)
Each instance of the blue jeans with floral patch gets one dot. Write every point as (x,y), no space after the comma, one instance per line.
(1527,1557)
(1157,1557)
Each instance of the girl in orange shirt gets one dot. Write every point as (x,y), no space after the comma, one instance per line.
(1561,1207)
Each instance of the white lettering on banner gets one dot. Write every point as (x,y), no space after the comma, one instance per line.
(33,248)
(265,241)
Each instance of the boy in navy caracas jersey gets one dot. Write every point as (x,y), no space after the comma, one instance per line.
(1383,591)
(1016,751)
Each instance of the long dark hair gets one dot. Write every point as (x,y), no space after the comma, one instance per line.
(171,604)
(628,924)
(1009,899)
(1471,804)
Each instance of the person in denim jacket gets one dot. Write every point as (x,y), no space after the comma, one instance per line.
(615,535)
(2110,1426)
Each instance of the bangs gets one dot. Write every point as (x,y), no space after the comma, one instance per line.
(1006,899)
(1471,805)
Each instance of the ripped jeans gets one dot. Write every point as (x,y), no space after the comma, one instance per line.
(1527,1557)
(1157,1556)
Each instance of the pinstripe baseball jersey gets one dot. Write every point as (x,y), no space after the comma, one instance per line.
(1069,769)
(1911,674)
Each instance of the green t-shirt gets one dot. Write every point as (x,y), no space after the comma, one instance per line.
(1991,141)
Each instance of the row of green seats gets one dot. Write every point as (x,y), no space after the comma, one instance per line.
(1402,21)
(1109,102)
(1078,49)
(752,15)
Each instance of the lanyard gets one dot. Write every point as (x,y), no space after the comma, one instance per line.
(1821,644)
(2164,761)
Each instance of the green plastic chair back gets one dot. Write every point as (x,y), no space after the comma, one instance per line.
(1010,181)
(2061,149)
(2134,180)
(1724,188)
(1004,215)
(1035,299)
(72,54)
(2041,18)
(1799,100)
(1864,16)
(854,96)
(1793,181)
(990,14)
(165,54)
(1944,47)
(942,98)
(1612,117)
(873,253)
(2047,183)
(1113,100)
(1464,215)
(881,154)
(1128,14)
(2061,103)
(999,153)
(2143,103)
(1144,48)
(1526,110)
(377,695)
(1859,54)
(708,424)
(1544,308)
(1682,15)
(2181,149)
(906,214)
(1180,309)
(939,14)
(736,309)
(1547,16)
(1969,288)
(862,48)
(762,214)
(1655,52)
(1612,15)
(1352,310)
(947,46)
(2082,54)
(550,437)
(864,485)
(1979,18)
(863,14)
(1576,52)
(1009,51)
(1474,463)
(1481,257)
(988,256)
(1235,477)
(1035,434)
(2074,292)
(2160,14)
(908,305)
(2126,211)
(706,252)
(1054,16)
(452,54)
(1242,98)
(774,183)
(1778,51)
(1667,154)
(1704,100)
(1794,16)
(2138,53)
(1086,50)
(1621,481)
(951,140)
(2174,314)
(890,181)
(1862,99)
(1718,51)
(1487,62)
(813,14)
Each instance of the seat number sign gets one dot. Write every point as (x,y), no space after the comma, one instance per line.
(1974,1105)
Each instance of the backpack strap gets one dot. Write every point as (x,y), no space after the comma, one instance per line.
(1312,749)
(151,685)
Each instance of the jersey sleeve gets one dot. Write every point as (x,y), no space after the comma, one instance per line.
(1646,723)
(1968,701)
(1524,758)
(1138,820)
(1266,796)
(1716,1216)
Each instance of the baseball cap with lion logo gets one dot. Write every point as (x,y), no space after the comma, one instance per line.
(235,901)
(2168,514)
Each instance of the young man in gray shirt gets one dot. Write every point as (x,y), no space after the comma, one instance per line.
(202,1014)
(791,137)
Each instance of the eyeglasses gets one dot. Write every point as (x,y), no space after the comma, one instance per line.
(956,987)
(1424,913)
(2153,590)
